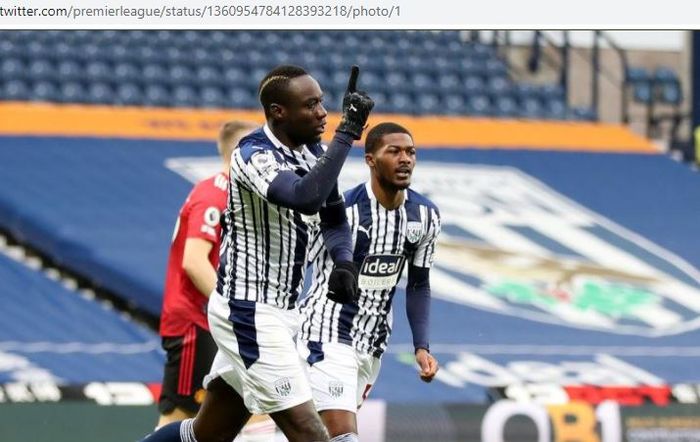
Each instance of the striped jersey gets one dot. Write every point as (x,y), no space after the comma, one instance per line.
(383,241)
(264,249)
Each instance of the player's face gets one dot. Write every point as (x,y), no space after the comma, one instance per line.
(394,161)
(305,114)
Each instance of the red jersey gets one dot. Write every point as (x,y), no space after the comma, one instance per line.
(199,217)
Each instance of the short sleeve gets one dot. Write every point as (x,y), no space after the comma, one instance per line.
(256,167)
(425,252)
(204,220)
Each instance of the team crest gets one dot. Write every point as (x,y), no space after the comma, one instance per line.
(335,389)
(283,387)
(414,230)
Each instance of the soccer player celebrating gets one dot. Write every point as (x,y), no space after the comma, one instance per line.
(391,225)
(282,189)
(190,278)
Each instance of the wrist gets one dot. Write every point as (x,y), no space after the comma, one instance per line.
(424,347)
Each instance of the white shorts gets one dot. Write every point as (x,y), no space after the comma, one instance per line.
(341,377)
(257,354)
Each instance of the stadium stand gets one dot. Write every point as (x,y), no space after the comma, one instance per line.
(417,72)
(57,334)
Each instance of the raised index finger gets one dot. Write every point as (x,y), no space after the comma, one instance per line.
(352,83)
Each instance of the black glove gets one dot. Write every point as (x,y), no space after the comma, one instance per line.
(342,284)
(356,108)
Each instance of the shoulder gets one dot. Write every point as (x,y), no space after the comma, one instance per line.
(255,142)
(355,195)
(211,190)
(420,200)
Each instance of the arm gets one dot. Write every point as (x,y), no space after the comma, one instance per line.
(307,194)
(418,312)
(335,228)
(195,262)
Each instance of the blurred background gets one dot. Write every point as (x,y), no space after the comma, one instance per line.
(566,288)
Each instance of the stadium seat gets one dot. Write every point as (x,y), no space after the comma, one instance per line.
(499,86)
(129,94)
(11,69)
(555,109)
(41,69)
(454,104)
(583,113)
(208,75)
(472,85)
(97,71)
(156,95)
(505,106)
(44,91)
(449,83)
(241,98)
(421,81)
(73,92)
(531,107)
(211,96)
(428,104)
(181,75)
(401,103)
(185,96)
(479,105)
(15,90)
(100,93)
(154,73)
(126,72)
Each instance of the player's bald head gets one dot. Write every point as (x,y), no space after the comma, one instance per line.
(274,87)
(230,134)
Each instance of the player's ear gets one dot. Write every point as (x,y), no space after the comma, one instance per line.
(277,111)
(369,159)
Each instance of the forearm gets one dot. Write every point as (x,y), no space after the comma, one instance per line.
(307,194)
(202,275)
(335,229)
(418,306)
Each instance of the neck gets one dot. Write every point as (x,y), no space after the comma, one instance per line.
(389,197)
(283,137)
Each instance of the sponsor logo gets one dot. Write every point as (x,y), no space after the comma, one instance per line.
(379,272)
(335,389)
(283,387)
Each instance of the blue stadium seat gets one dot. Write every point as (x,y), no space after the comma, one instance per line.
(555,109)
(241,97)
(211,96)
(208,75)
(469,66)
(44,91)
(177,56)
(154,73)
(531,107)
(185,95)
(393,81)
(401,103)
(41,69)
(479,105)
(234,76)
(15,90)
(422,82)
(63,51)
(11,69)
(34,49)
(495,67)
(72,92)
(641,92)
(499,86)
(126,72)
(454,104)
(97,71)
(428,103)
(671,94)
(505,106)
(180,75)
(9,49)
(472,85)
(156,95)
(120,54)
(635,74)
(129,94)
(526,90)
(100,93)
(449,83)
(381,103)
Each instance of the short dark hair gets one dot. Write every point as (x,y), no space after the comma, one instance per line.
(273,87)
(374,137)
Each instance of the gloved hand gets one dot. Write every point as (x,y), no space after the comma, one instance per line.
(356,108)
(342,284)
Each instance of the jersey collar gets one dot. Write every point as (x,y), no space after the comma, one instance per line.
(372,197)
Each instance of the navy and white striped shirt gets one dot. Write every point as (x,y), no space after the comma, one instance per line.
(384,240)
(265,246)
